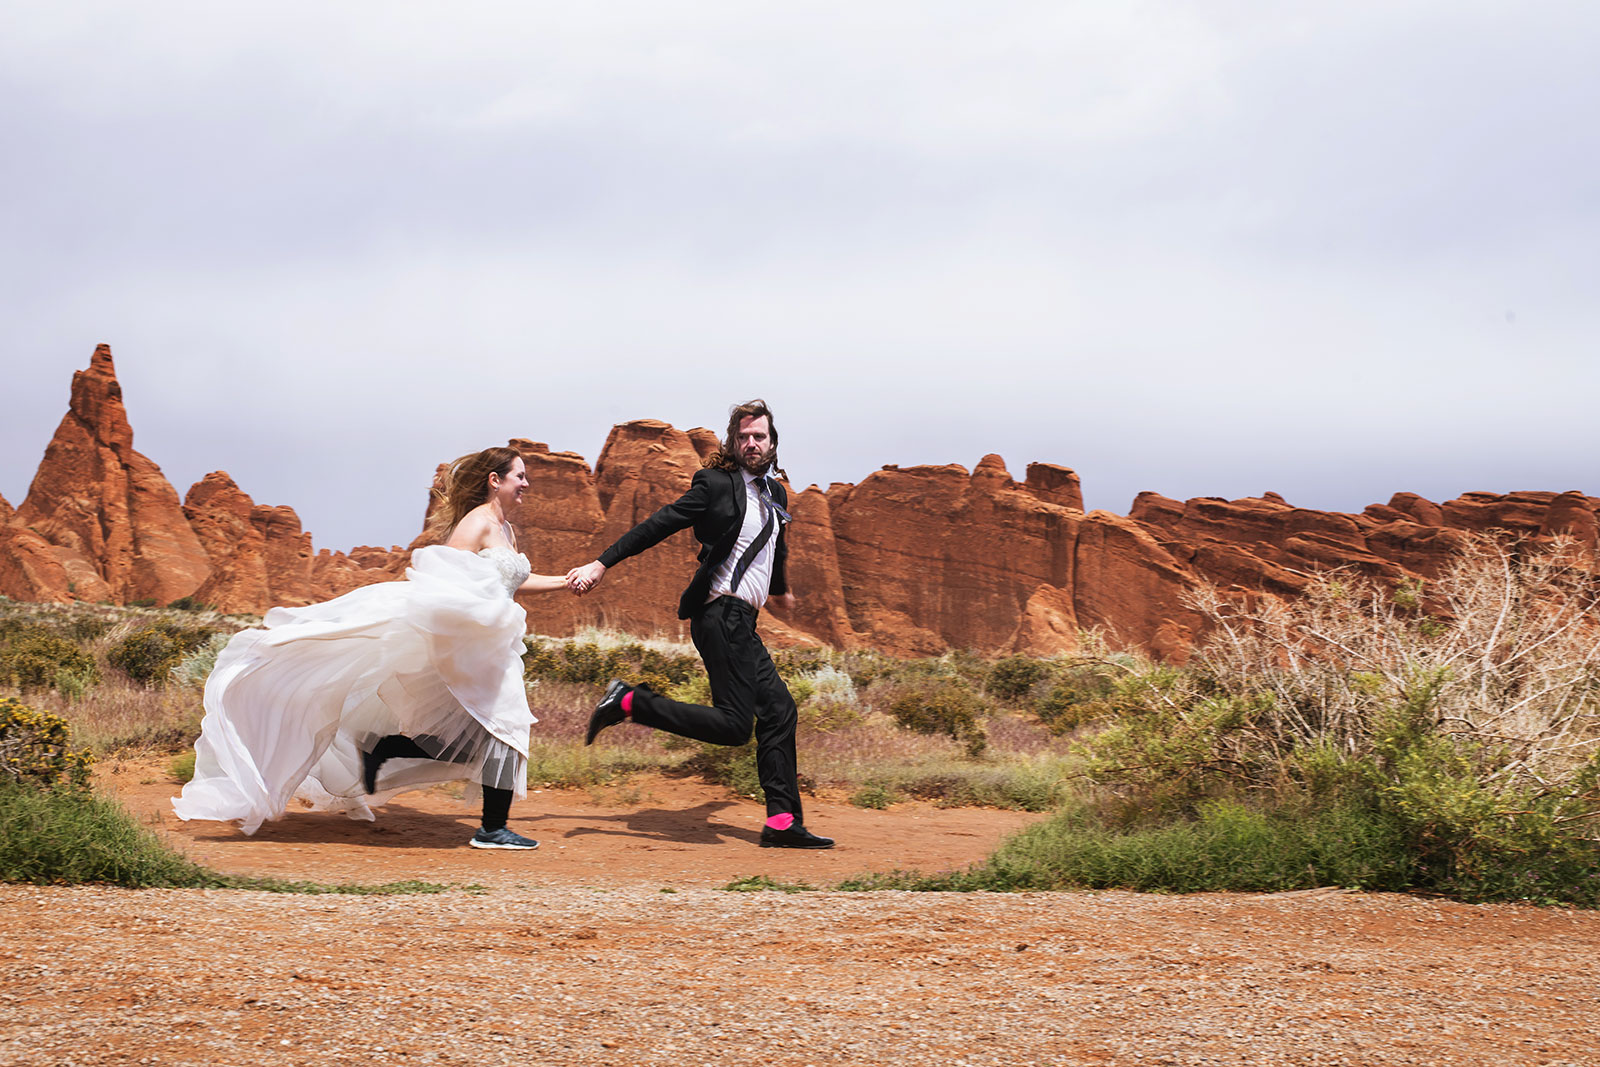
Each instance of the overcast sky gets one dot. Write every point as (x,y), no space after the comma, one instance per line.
(1331,249)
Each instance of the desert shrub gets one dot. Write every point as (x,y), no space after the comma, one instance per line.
(865,667)
(875,795)
(941,706)
(696,690)
(54,837)
(795,662)
(590,662)
(33,657)
(181,766)
(1464,717)
(50,837)
(733,766)
(36,749)
(193,669)
(188,603)
(1226,847)
(1014,677)
(149,654)
(1085,691)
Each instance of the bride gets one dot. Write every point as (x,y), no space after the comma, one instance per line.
(393,686)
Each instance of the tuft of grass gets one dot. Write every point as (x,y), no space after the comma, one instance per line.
(760,883)
(1227,848)
(56,837)
(874,795)
(60,837)
(181,766)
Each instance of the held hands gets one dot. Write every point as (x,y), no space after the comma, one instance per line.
(583,579)
(784,601)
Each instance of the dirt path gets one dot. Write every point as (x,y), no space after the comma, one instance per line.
(612,945)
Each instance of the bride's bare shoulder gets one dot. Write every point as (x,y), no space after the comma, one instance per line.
(473,531)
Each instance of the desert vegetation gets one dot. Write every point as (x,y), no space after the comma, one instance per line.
(1441,737)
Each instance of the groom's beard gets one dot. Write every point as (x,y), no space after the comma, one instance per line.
(757,464)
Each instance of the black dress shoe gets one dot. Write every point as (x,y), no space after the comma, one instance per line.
(796,836)
(609,711)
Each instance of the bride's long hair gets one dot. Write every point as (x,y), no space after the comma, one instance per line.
(462,486)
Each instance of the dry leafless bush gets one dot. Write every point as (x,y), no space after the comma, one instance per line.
(1503,649)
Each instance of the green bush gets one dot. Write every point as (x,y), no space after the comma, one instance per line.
(36,749)
(588,662)
(733,766)
(194,669)
(874,795)
(941,706)
(1082,693)
(148,655)
(52,837)
(1227,847)
(1014,677)
(35,658)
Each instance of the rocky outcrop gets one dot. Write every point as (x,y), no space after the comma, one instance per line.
(220,514)
(261,558)
(112,519)
(932,558)
(914,560)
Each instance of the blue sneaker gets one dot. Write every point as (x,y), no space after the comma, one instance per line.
(501,838)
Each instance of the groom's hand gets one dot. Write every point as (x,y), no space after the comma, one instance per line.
(583,579)
(785,601)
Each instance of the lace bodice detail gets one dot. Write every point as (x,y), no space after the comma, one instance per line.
(514,567)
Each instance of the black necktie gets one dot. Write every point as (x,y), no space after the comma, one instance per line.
(770,506)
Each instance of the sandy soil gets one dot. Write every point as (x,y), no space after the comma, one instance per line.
(614,944)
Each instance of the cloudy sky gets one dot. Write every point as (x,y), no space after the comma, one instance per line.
(1331,249)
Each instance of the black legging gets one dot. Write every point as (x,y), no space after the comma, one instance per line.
(496,802)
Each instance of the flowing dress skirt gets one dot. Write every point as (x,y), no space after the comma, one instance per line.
(290,707)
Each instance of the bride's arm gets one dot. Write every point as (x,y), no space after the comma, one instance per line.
(543,583)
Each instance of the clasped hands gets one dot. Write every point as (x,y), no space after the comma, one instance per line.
(581,580)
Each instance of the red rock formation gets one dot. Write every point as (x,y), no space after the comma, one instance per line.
(932,558)
(814,576)
(30,568)
(114,521)
(914,560)
(260,556)
(220,513)
(644,465)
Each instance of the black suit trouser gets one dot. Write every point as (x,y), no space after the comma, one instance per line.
(746,691)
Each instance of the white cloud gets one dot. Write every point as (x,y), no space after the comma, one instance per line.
(1345,247)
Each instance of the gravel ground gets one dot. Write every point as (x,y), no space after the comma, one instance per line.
(612,944)
(623,976)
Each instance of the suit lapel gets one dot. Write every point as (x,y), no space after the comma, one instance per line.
(740,498)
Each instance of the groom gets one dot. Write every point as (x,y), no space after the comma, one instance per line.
(737,511)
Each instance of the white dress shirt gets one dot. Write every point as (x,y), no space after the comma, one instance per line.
(757,580)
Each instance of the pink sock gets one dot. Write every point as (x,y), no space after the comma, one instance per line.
(781,821)
(627,704)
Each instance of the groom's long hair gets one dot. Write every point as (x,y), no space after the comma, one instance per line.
(727,456)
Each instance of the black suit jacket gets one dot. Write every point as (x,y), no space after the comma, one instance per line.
(714,506)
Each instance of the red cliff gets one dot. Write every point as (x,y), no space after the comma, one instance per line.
(916,560)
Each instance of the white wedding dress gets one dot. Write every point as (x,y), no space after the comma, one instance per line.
(291,707)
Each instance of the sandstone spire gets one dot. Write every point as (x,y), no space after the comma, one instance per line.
(112,519)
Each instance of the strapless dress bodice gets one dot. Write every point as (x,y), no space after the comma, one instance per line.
(514,567)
